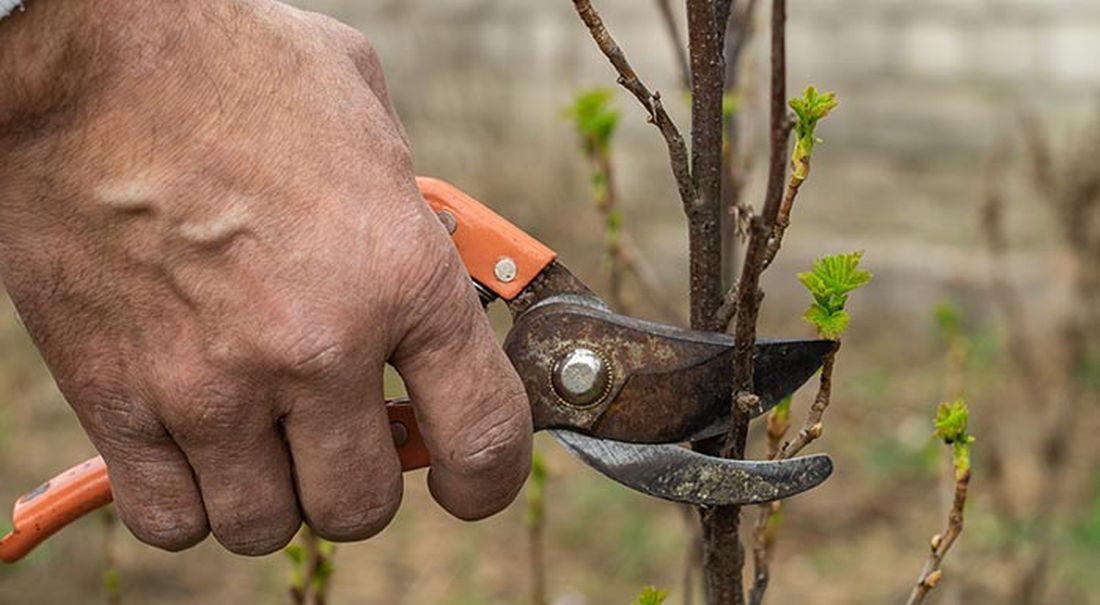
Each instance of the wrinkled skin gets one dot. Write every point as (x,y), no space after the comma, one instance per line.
(210,227)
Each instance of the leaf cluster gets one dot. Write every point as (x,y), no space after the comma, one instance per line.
(651,596)
(808,109)
(306,570)
(594,119)
(951,424)
(830,282)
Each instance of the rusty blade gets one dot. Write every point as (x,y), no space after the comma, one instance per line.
(780,368)
(665,385)
(670,472)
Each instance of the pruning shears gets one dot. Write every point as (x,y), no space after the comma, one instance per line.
(617,392)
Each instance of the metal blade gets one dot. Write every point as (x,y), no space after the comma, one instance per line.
(673,473)
(650,382)
(781,367)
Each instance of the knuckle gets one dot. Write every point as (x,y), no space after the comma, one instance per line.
(358,521)
(308,351)
(170,528)
(197,402)
(118,421)
(297,347)
(496,447)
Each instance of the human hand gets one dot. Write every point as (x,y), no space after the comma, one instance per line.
(210,227)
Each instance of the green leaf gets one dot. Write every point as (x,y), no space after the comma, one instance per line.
(809,109)
(829,283)
(951,423)
(651,596)
(830,324)
(593,118)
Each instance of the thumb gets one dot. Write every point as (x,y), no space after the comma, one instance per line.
(469,401)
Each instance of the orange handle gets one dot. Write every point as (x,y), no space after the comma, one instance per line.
(500,256)
(48,508)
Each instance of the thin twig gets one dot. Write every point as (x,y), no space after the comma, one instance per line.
(765,530)
(651,102)
(783,219)
(313,572)
(812,427)
(941,543)
(749,295)
(735,159)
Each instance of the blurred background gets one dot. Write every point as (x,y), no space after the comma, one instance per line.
(946,107)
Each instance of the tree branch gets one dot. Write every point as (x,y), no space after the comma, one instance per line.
(941,543)
(767,522)
(764,531)
(737,162)
(651,102)
(723,553)
(749,295)
(704,219)
(811,428)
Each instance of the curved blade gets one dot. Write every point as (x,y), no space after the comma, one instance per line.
(673,473)
(665,385)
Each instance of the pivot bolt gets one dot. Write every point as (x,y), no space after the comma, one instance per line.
(581,377)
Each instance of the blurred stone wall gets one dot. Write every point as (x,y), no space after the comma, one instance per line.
(927,88)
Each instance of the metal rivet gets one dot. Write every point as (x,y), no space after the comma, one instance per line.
(450,223)
(400,433)
(505,270)
(581,377)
